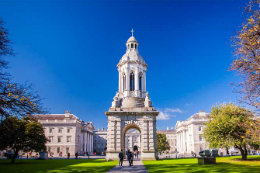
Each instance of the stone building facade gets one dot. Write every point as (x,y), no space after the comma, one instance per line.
(171,138)
(67,133)
(132,107)
(100,141)
(189,133)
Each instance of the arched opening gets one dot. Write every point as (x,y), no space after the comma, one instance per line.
(132,139)
(132,82)
(140,82)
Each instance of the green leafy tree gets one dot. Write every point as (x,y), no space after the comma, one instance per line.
(25,134)
(232,125)
(162,142)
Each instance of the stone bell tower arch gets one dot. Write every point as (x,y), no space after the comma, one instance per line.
(132,107)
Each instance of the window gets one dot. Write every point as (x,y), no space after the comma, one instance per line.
(132,82)
(60,130)
(132,45)
(200,128)
(140,82)
(50,138)
(58,149)
(68,138)
(50,130)
(135,45)
(67,150)
(201,148)
(128,46)
(68,130)
(49,149)
(124,81)
(200,137)
(59,139)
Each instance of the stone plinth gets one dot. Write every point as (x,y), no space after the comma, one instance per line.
(206,160)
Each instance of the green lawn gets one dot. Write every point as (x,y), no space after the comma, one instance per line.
(56,166)
(224,164)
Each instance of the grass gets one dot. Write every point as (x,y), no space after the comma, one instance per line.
(56,166)
(224,164)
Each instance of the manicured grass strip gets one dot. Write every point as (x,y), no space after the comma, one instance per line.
(57,166)
(224,164)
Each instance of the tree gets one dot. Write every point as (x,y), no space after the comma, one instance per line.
(5,50)
(246,55)
(232,125)
(15,99)
(22,134)
(18,100)
(162,142)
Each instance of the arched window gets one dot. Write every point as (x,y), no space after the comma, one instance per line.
(132,45)
(135,46)
(140,82)
(132,82)
(124,81)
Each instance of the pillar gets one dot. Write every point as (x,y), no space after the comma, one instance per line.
(144,82)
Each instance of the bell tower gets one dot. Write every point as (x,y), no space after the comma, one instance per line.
(132,107)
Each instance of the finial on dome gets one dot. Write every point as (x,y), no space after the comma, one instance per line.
(132,32)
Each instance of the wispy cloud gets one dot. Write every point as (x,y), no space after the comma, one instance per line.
(188,104)
(163,116)
(173,110)
(166,113)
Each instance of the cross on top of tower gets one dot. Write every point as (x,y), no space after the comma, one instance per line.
(132,32)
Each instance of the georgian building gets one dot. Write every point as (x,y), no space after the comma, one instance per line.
(67,133)
(171,138)
(100,141)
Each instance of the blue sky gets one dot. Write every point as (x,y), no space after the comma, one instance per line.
(69,50)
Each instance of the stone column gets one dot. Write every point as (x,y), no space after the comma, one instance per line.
(127,90)
(120,82)
(144,82)
(92,142)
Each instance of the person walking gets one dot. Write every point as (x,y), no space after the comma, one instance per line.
(129,156)
(68,155)
(121,158)
(76,155)
(132,159)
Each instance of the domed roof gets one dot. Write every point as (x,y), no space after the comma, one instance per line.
(132,55)
(132,39)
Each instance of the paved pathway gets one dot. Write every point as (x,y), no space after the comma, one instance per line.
(137,168)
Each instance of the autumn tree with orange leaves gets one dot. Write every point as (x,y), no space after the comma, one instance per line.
(246,60)
(15,99)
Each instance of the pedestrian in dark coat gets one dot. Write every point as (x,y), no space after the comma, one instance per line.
(129,156)
(68,155)
(121,158)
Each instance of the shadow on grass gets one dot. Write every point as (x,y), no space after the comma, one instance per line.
(56,166)
(192,167)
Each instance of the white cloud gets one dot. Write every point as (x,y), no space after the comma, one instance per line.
(166,113)
(163,116)
(173,110)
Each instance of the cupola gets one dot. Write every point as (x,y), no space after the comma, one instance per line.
(132,42)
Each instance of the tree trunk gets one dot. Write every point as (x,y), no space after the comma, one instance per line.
(14,156)
(243,151)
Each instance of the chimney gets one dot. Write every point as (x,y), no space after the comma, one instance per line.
(67,114)
(103,129)
(167,128)
(98,129)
